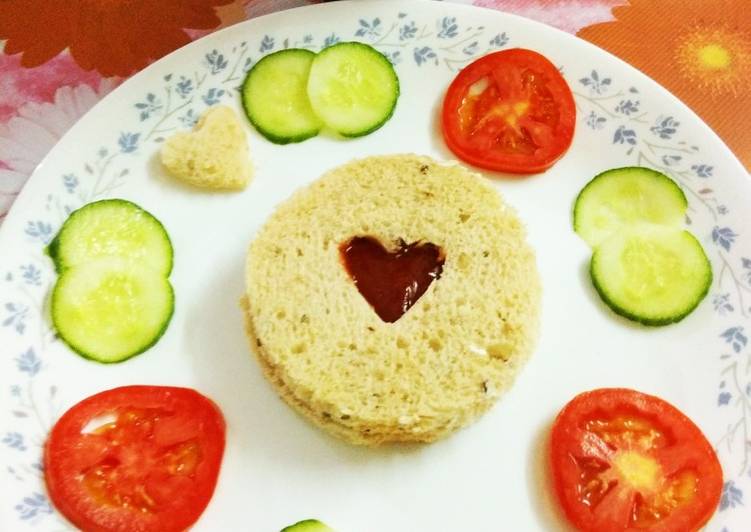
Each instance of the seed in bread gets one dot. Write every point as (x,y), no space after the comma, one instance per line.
(447,358)
(213,155)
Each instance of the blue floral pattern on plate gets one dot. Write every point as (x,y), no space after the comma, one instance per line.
(649,137)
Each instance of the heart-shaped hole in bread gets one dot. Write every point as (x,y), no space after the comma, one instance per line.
(391,281)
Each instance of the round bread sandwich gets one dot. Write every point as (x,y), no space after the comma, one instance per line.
(392,300)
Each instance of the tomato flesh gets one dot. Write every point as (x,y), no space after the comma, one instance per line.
(633,471)
(135,458)
(129,475)
(509,111)
(622,460)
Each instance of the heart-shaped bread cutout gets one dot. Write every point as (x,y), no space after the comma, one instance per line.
(391,280)
(213,155)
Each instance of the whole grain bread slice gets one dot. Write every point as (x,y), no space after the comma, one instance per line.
(449,357)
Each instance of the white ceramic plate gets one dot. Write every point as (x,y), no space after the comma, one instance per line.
(278,468)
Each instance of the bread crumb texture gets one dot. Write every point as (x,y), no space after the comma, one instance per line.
(448,358)
(213,155)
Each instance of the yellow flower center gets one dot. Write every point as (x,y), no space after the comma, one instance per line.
(715,59)
(714,56)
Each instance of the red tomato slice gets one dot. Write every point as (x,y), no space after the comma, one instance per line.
(624,460)
(509,111)
(137,458)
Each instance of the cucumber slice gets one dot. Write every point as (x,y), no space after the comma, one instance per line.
(275,98)
(111,309)
(353,88)
(112,228)
(308,525)
(652,274)
(623,196)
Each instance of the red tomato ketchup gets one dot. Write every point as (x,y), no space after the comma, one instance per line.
(509,111)
(136,458)
(391,281)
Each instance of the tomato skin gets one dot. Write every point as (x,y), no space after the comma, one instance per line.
(507,65)
(69,454)
(683,446)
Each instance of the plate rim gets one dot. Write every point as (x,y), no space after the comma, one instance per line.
(718,145)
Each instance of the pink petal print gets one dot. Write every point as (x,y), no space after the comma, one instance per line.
(567,15)
(11,182)
(28,136)
(19,85)
(23,143)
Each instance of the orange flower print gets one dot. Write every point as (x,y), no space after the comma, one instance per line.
(700,51)
(113,37)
